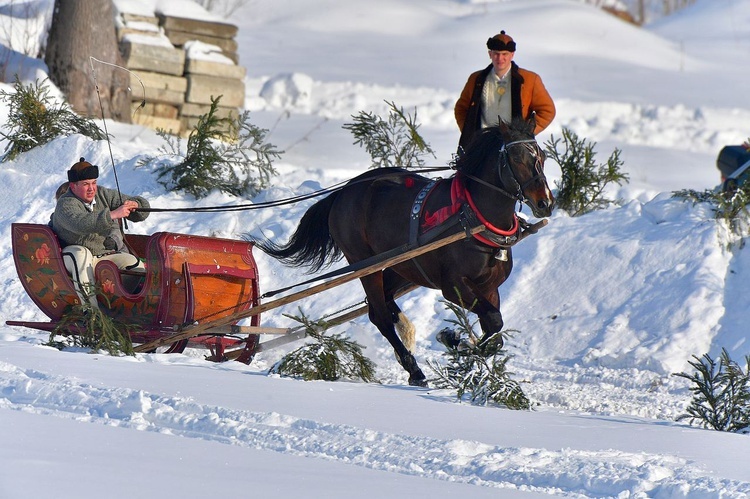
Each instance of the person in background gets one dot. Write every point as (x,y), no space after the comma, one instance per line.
(501,91)
(87,222)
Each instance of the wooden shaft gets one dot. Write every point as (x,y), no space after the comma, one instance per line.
(198,329)
(298,333)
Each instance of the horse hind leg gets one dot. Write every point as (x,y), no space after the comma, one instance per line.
(404,327)
(382,316)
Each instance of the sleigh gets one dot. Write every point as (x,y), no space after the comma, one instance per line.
(188,280)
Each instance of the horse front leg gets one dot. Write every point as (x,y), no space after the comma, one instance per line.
(382,316)
(485,304)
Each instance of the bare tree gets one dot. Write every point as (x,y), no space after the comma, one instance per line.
(80,30)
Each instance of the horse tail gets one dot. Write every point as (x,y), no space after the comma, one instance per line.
(311,245)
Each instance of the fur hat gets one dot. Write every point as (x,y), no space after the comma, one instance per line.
(83,170)
(501,42)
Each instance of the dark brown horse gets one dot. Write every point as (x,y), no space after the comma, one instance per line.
(372,214)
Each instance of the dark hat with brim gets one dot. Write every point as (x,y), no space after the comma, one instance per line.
(501,42)
(83,170)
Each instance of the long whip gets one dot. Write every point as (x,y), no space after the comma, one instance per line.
(104,121)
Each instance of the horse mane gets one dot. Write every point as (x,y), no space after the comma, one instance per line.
(487,143)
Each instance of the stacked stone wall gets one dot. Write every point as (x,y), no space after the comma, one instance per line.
(180,76)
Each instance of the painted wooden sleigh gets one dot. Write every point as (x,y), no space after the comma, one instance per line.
(189,279)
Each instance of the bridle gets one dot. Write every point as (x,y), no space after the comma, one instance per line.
(507,175)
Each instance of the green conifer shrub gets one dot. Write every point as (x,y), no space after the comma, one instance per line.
(395,142)
(327,358)
(721,393)
(228,154)
(35,119)
(478,374)
(580,189)
(94,330)
(729,206)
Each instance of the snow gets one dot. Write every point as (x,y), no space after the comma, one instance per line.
(205,52)
(605,306)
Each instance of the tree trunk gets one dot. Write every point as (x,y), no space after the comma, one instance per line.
(82,29)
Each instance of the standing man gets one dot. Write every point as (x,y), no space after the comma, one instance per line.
(501,91)
(87,222)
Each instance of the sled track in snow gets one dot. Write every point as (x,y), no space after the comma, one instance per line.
(532,469)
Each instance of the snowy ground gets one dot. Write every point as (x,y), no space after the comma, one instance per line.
(607,306)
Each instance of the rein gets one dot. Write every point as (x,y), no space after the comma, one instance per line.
(285,201)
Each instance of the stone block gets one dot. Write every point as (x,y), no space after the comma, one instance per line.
(126,30)
(156,109)
(206,67)
(158,80)
(156,58)
(160,88)
(155,122)
(202,87)
(210,28)
(180,38)
(139,18)
(191,110)
(163,96)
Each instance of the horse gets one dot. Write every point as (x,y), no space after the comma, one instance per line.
(374,213)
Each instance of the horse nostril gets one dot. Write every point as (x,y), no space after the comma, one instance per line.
(543,204)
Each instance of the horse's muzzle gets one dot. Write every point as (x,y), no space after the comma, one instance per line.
(543,206)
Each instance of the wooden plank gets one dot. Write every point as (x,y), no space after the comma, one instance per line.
(203,27)
(298,332)
(197,329)
(258,330)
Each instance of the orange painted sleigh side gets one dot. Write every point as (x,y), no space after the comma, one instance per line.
(188,279)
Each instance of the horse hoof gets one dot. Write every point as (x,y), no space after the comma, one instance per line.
(449,337)
(491,344)
(421,382)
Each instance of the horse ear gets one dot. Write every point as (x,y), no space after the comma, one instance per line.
(503,126)
(532,122)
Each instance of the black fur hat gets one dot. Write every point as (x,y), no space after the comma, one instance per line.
(83,170)
(501,42)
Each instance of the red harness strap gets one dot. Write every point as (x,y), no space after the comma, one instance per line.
(459,196)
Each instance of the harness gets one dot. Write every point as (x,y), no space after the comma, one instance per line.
(461,204)
(462,201)
(464,211)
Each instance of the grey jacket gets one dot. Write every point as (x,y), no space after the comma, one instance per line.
(75,224)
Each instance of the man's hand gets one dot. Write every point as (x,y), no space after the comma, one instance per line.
(124,211)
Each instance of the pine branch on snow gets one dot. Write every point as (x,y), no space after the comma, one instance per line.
(479,374)
(721,394)
(327,358)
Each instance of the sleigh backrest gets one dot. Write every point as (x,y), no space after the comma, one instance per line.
(38,258)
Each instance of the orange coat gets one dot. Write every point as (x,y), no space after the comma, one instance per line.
(528,95)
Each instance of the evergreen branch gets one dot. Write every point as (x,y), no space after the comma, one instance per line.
(327,358)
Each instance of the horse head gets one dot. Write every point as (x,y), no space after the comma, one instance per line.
(521,165)
(509,156)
